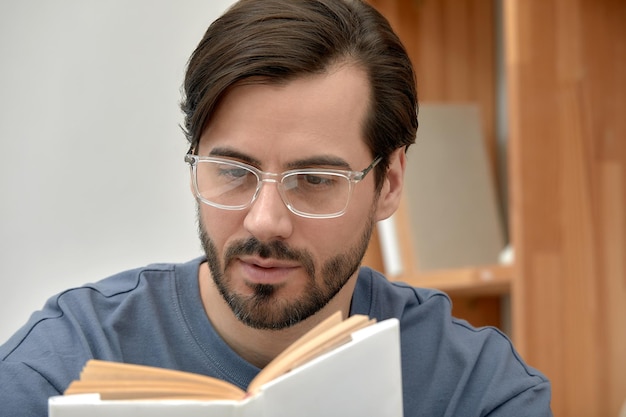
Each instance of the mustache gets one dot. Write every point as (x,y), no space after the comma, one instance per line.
(275,249)
(252,246)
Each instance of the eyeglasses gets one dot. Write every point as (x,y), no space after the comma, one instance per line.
(314,193)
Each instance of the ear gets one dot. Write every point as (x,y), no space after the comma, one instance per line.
(391,191)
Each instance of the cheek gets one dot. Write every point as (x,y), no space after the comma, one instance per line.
(336,236)
(220,225)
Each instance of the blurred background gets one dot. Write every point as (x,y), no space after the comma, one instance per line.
(92,178)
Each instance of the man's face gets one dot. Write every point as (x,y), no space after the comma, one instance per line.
(273,267)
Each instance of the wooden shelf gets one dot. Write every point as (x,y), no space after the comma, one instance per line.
(480,280)
(469,281)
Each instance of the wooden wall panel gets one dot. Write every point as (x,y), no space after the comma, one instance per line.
(566,70)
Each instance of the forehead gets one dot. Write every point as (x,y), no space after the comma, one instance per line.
(321,113)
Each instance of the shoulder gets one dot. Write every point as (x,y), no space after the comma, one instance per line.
(102,296)
(426,320)
(91,308)
(116,318)
(473,368)
(124,282)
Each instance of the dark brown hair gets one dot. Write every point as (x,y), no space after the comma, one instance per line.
(279,40)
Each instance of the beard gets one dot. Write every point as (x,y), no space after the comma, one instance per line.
(264,308)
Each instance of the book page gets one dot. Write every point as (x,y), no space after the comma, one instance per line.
(124,381)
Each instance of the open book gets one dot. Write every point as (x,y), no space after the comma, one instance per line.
(119,381)
(340,367)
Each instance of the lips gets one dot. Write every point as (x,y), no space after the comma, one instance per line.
(266,271)
(268,262)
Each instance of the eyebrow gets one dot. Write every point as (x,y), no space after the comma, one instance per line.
(313,161)
(234,154)
(319,161)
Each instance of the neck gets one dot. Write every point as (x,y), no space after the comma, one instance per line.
(267,344)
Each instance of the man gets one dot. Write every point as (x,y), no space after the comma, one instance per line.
(298,114)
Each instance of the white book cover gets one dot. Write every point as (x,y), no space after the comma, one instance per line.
(360,378)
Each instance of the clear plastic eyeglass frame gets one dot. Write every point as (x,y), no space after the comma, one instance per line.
(352,177)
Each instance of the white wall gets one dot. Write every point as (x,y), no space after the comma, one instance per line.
(92,178)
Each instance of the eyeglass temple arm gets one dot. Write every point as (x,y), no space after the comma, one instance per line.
(188,155)
(369,168)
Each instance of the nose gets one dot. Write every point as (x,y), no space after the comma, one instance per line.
(268,218)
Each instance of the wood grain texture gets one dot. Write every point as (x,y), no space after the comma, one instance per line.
(565,64)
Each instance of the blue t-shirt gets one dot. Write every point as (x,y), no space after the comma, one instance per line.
(154,316)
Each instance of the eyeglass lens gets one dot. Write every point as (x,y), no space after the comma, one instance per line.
(308,192)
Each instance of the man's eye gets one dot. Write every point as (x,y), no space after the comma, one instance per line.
(233,172)
(318,180)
